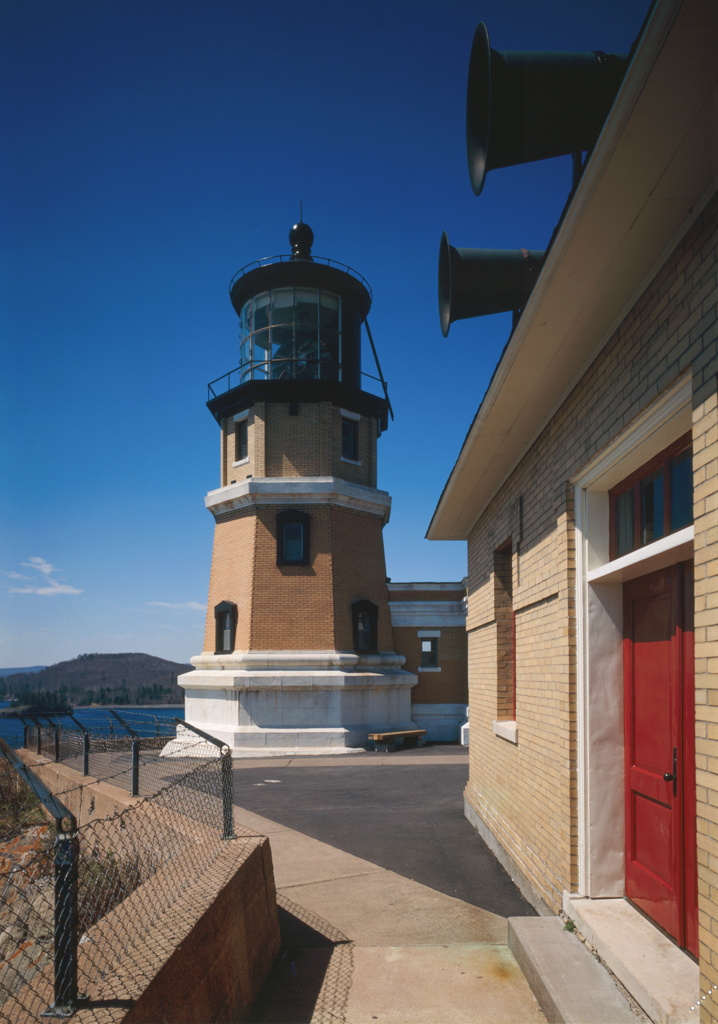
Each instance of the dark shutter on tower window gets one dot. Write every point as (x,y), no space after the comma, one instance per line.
(365,617)
(240,440)
(293,537)
(225,622)
(350,446)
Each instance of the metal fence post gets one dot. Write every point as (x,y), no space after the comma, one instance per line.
(38,730)
(67,848)
(225,760)
(66,860)
(227,796)
(135,768)
(25,734)
(57,742)
(85,745)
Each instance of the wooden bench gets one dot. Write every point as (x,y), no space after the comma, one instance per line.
(388,741)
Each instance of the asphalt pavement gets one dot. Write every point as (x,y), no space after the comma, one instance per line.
(405,814)
(392,909)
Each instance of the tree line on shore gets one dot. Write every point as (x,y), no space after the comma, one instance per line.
(99,679)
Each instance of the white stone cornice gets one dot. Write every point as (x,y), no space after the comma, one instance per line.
(438,587)
(346,661)
(299,490)
(427,613)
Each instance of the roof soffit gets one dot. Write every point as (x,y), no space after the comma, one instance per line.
(654,165)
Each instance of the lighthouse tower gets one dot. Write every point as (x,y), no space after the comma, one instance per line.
(298,651)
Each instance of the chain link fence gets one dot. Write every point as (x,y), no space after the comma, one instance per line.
(75,900)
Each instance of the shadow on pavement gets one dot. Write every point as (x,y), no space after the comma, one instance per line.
(310,980)
(405,817)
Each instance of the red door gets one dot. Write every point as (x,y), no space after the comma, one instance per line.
(660,750)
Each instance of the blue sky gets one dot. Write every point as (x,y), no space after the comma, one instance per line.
(153,147)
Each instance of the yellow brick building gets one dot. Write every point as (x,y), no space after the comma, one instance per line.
(587,490)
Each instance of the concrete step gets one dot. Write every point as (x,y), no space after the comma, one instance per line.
(663,979)
(570,986)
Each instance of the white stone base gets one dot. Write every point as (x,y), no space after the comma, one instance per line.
(284,703)
(442,722)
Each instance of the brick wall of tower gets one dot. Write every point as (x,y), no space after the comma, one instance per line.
(299,607)
(293,442)
(366,455)
(231,577)
(307,444)
(359,574)
(292,605)
(254,466)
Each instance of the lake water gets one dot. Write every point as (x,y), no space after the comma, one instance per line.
(97,719)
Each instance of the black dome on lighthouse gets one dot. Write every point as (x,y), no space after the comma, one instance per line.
(301,239)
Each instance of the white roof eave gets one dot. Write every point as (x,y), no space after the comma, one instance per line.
(653,167)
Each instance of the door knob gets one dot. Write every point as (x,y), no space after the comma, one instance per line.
(673,776)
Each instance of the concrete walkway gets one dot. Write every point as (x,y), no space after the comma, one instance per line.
(363,944)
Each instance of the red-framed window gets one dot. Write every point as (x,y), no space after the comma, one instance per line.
(654,501)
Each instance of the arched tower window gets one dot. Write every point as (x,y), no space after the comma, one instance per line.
(292,537)
(364,627)
(225,619)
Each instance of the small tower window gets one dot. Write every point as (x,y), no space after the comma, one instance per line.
(364,627)
(225,617)
(350,447)
(363,631)
(240,440)
(293,542)
(292,537)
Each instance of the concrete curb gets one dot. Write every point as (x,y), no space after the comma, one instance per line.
(569,985)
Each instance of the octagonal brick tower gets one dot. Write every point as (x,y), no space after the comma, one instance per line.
(298,642)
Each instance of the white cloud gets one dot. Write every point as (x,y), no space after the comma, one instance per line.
(193,606)
(45,585)
(39,564)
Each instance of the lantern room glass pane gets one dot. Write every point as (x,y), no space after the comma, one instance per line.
(329,354)
(329,311)
(261,311)
(681,470)
(260,354)
(246,319)
(283,306)
(282,342)
(625,533)
(282,352)
(652,507)
(303,326)
(307,307)
(261,345)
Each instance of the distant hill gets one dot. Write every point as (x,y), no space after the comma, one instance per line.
(17,671)
(101,679)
